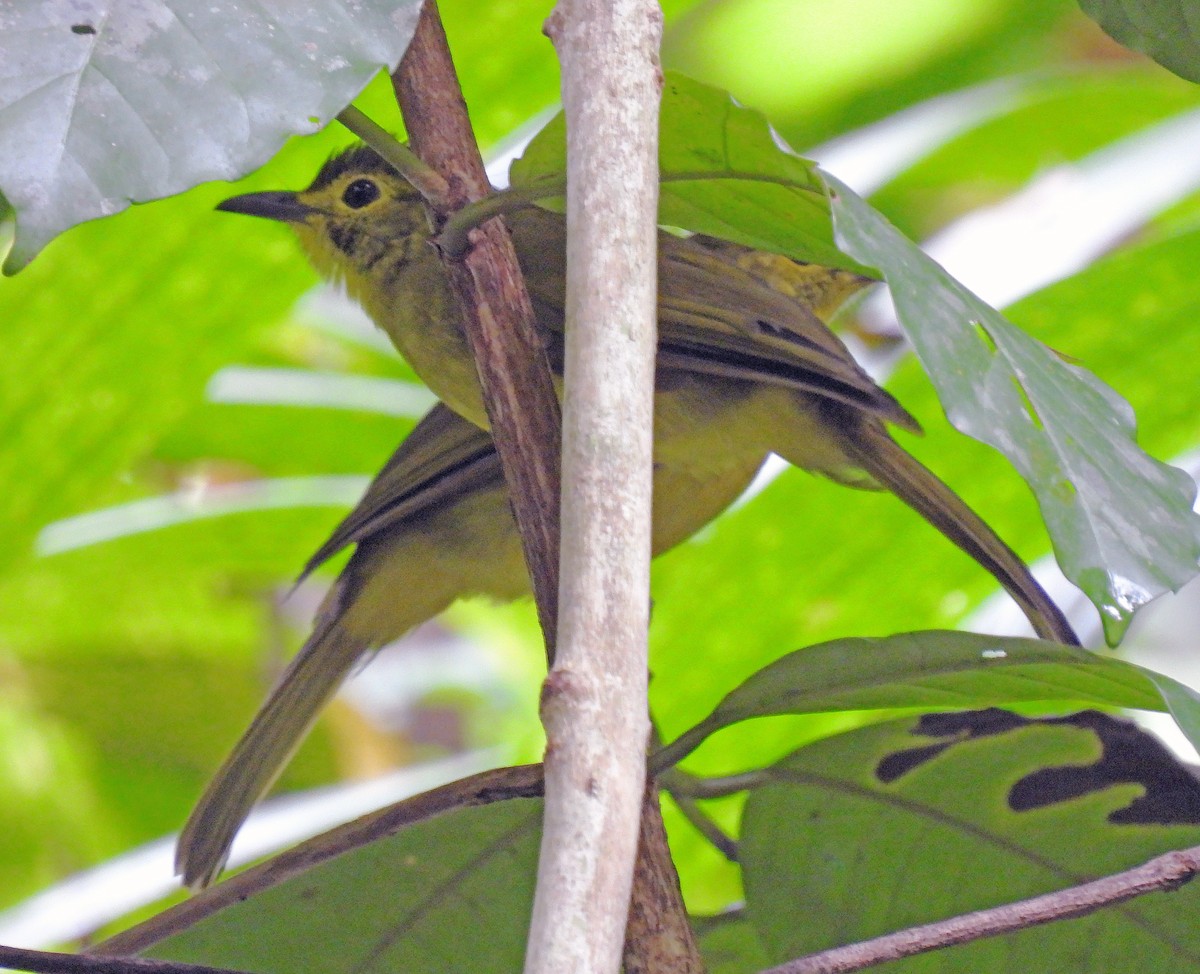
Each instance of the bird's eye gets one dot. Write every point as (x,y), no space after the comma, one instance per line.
(360,193)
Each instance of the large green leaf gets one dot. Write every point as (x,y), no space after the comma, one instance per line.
(445,893)
(808,561)
(108,103)
(723,172)
(927,670)
(1122,522)
(1166,30)
(902,823)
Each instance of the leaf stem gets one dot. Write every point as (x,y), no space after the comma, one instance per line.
(427,180)
(453,241)
(702,823)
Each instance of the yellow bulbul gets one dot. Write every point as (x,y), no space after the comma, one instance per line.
(746,366)
(433,526)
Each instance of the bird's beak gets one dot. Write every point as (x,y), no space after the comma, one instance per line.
(275,205)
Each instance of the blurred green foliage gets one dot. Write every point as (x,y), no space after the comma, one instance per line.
(131,666)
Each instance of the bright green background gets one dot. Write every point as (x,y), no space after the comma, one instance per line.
(129,667)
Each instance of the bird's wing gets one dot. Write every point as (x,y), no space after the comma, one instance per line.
(728,311)
(441,458)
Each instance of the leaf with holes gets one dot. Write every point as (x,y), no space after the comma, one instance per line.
(1121,522)
(106,103)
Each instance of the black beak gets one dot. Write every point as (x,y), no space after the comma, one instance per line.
(275,205)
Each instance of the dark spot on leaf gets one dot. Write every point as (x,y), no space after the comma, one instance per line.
(902,762)
(962,726)
(1128,756)
(82,29)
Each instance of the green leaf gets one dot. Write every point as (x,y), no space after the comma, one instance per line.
(901,824)
(923,669)
(459,889)
(1122,522)
(1166,30)
(732,946)
(723,173)
(1183,703)
(110,103)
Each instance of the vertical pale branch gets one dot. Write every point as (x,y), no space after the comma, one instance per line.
(513,371)
(594,701)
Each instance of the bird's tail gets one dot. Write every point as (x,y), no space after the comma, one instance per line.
(872,448)
(264,749)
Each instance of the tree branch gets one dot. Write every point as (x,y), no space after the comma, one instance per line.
(723,843)
(488,787)
(517,388)
(659,938)
(50,962)
(594,700)
(1161,874)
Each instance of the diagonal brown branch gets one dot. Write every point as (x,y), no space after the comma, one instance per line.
(488,787)
(1161,874)
(517,388)
(49,962)
(659,937)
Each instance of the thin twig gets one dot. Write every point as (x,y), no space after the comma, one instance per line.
(425,179)
(455,237)
(681,783)
(702,823)
(1162,874)
(50,962)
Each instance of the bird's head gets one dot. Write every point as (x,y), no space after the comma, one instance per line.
(357,212)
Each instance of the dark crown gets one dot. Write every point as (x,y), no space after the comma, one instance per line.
(359,159)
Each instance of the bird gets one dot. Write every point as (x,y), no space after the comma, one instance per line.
(434,525)
(746,366)
(746,363)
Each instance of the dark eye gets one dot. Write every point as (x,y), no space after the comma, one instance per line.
(360,193)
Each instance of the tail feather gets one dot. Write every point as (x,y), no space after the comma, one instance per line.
(872,448)
(252,767)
